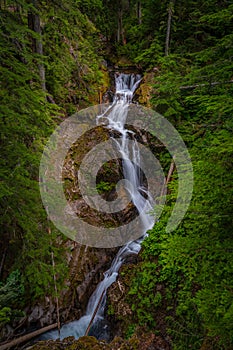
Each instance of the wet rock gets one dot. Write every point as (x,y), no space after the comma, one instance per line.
(6,332)
(86,268)
(144,92)
(108,96)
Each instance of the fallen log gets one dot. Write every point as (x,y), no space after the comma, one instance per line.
(94,314)
(170,172)
(189,87)
(26,337)
(168,178)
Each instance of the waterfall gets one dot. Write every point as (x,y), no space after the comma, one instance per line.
(126,84)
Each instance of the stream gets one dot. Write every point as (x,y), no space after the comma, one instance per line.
(126,85)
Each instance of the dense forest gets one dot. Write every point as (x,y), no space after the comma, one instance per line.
(55,58)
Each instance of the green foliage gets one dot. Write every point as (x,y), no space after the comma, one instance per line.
(71,50)
(11,297)
(72,62)
(149,56)
(12,291)
(38,266)
(5,315)
(186,274)
(130,331)
(194,263)
(145,296)
(27,120)
(110,310)
(104,186)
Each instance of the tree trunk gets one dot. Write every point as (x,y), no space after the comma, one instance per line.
(119,29)
(139,12)
(3,260)
(169,20)
(25,338)
(2,4)
(168,178)
(56,295)
(37,45)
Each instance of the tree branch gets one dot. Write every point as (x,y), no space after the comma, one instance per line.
(3,260)
(189,87)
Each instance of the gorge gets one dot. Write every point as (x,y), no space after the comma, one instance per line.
(125,86)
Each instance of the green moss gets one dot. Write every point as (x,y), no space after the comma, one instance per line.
(110,310)
(104,186)
(130,330)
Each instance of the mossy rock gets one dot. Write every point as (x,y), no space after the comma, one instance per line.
(90,343)
(86,343)
(83,343)
(145,91)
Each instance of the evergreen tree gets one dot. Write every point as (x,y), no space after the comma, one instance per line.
(47,54)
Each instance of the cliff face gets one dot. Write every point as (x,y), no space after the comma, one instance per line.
(86,267)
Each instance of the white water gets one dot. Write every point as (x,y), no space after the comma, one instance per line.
(126,85)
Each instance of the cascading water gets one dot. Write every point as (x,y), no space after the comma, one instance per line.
(126,84)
